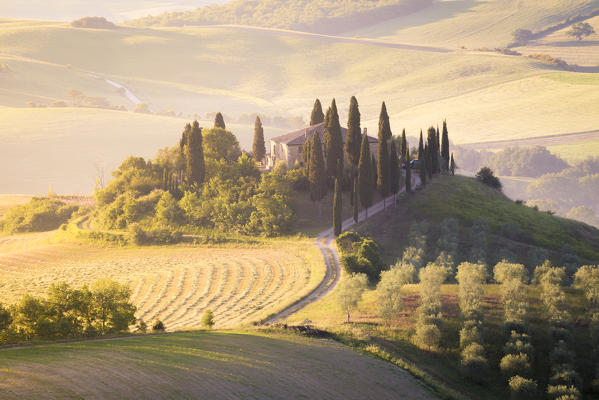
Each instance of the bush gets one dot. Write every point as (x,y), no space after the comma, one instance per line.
(93,23)
(39,215)
(523,389)
(428,335)
(360,255)
(515,364)
(474,364)
(562,392)
(158,326)
(208,319)
(486,176)
(470,334)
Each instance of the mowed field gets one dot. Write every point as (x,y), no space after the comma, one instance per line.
(174,284)
(207,365)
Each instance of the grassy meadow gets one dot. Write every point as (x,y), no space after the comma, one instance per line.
(235,365)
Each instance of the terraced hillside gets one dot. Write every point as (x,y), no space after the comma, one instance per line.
(202,365)
(176,284)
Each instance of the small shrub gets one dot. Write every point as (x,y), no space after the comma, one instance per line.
(141,327)
(428,335)
(158,326)
(486,176)
(523,389)
(208,319)
(469,334)
(474,364)
(515,364)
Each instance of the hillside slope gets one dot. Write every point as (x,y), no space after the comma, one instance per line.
(202,365)
(466,200)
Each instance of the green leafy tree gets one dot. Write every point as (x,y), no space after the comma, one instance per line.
(219,121)
(194,155)
(388,290)
(365,181)
(350,291)
(208,319)
(333,141)
(445,148)
(317,115)
(112,306)
(354,139)
(168,211)
(337,209)
(581,30)
(258,147)
(522,36)
(5,318)
(220,144)
(471,278)
(317,176)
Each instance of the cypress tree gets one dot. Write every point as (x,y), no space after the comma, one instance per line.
(365,184)
(394,171)
(184,137)
(403,150)
(432,149)
(355,201)
(354,134)
(165,179)
(421,147)
(423,165)
(384,126)
(438,151)
(333,140)
(429,162)
(445,148)
(195,167)
(374,172)
(337,208)
(258,147)
(219,121)
(317,115)
(383,182)
(306,152)
(408,172)
(317,176)
(452,165)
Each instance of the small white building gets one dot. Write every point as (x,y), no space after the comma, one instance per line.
(289,147)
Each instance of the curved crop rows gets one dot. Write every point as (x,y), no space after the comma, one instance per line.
(175,285)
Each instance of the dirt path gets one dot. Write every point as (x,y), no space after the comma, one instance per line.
(326,244)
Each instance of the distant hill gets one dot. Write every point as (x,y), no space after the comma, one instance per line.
(328,16)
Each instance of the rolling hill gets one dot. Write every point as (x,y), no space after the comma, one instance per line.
(202,365)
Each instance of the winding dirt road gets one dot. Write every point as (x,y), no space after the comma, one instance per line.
(326,244)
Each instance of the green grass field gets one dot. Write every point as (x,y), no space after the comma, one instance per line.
(202,365)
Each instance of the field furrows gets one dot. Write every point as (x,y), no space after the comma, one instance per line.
(175,285)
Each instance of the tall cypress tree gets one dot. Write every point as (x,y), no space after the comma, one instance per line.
(354,134)
(394,171)
(438,151)
(384,126)
(445,147)
(452,165)
(258,147)
(317,115)
(317,176)
(421,147)
(408,172)
(432,149)
(383,182)
(219,121)
(184,138)
(194,154)
(374,172)
(333,140)
(429,162)
(337,209)
(423,164)
(403,147)
(365,184)
(355,197)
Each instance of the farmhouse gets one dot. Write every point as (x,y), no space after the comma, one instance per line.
(289,147)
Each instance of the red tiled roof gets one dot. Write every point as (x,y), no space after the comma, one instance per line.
(298,138)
